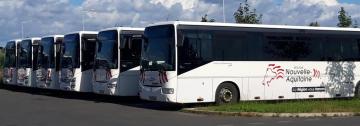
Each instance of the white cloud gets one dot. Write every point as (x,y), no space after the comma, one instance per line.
(324,2)
(143,12)
(186,4)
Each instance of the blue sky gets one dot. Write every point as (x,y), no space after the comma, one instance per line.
(76,2)
(79,2)
(47,17)
(350,1)
(279,1)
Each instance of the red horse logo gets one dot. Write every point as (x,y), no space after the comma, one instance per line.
(317,73)
(273,72)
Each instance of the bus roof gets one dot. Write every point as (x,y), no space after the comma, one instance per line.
(32,39)
(55,36)
(254,26)
(83,32)
(123,28)
(14,40)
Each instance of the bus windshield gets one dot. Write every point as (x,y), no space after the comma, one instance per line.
(107,51)
(10,55)
(71,57)
(25,54)
(47,53)
(159,48)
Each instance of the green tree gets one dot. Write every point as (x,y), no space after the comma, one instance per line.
(315,24)
(344,18)
(245,15)
(2,56)
(205,19)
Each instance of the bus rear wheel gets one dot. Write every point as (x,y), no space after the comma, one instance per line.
(226,93)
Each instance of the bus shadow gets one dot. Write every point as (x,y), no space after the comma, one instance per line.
(125,101)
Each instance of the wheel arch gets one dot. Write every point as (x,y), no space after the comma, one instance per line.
(356,92)
(233,83)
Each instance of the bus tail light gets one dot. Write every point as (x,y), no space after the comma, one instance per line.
(48,74)
(167,90)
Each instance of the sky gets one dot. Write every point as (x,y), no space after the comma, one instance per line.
(47,17)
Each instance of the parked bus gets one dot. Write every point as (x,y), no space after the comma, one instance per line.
(191,62)
(117,61)
(77,61)
(9,72)
(49,62)
(27,51)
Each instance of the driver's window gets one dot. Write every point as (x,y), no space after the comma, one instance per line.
(195,50)
(130,52)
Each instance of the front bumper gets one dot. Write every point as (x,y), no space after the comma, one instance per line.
(104,88)
(155,94)
(67,86)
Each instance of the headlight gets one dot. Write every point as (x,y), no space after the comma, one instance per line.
(167,90)
(112,84)
(69,74)
(72,86)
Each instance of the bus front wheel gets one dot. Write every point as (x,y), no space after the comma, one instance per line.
(226,93)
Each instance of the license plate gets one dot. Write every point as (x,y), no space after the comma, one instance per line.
(153,98)
(100,77)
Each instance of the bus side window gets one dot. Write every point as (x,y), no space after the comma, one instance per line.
(331,51)
(88,50)
(358,50)
(349,49)
(136,49)
(36,55)
(231,45)
(39,55)
(130,52)
(58,50)
(195,50)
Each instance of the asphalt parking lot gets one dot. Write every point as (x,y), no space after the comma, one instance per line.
(24,107)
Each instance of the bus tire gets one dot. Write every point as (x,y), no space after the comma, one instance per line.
(226,93)
(357,91)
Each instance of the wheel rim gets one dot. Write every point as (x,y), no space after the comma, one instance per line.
(226,95)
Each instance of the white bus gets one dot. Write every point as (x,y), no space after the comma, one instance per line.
(77,61)
(9,72)
(117,61)
(192,62)
(27,51)
(47,73)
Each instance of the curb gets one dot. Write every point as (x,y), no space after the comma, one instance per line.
(258,114)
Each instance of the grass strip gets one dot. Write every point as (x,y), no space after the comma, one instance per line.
(294,106)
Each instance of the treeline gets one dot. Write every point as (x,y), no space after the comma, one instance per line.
(245,14)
